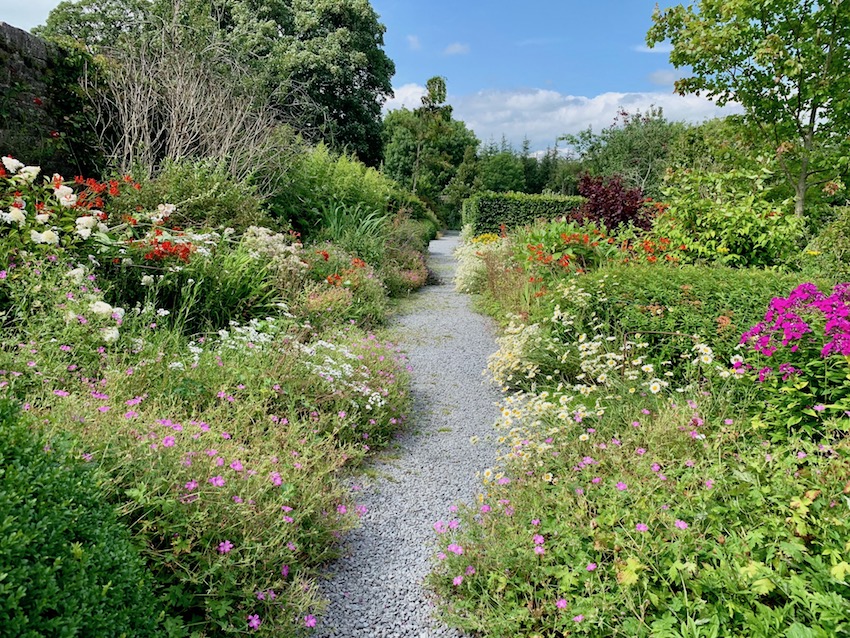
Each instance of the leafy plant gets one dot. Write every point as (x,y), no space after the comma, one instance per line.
(611,203)
(488,212)
(69,568)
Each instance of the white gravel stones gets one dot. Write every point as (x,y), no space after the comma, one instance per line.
(376,590)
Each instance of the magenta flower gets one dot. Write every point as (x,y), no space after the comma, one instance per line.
(538,539)
(236,466)
(561,603)
(224,547)
(309,620)
(578,618)
(539,550)
(254,622)
(470,570)
(591,567)
(641,527)
(217,481)
(622,486)
(457,580)
(168,441)
(681,524)
(191,485)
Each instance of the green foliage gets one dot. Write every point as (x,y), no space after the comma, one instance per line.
(487,212)
(500,170)
(204,193)
(783,62)
(637,146)
(321,180)
(356,229)
(425,147)
(68,567)
(655,535)
(726,218)
(828,254)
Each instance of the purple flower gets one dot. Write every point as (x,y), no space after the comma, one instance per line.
(578,618)
(457,580)
(561,603)
(681,524)
(217,481)
(641,527)
(622,486)
(254,622)
(591,567)
(309,620)
(224,547)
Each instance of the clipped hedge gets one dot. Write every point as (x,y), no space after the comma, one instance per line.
(486,212)
(67,567)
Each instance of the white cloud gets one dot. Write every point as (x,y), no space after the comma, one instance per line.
(543,115)
(407,95)
(413,42)
(456,48)
(663,47)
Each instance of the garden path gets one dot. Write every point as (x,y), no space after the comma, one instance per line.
(376,590)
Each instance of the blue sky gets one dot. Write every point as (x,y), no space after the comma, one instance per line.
(535,69)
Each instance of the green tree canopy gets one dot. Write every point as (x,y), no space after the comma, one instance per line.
(321,58)
(784,61)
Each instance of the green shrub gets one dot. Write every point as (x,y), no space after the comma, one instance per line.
(828,254)
(203,192)
(726,218)
(68,568)
(487,212)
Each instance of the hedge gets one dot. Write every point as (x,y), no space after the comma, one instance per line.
(486,212)
(67,566)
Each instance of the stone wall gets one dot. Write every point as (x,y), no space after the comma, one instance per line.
(40,113)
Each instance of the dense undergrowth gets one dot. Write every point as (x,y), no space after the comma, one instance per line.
(673,444)
(191,395)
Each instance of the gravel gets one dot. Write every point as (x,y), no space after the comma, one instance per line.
(376,589)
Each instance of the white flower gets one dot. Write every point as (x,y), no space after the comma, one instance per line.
(36,237)
(176,365)
(101,308)
(164,211)
(15,216)
(12,165)
(85,233)
(655,386)
(118,312)
(110,335)
(101,227)
(76,275)
(147,280)
(50,237)
(162,312)
(87,221)
(43,218)
(28,174)
(65,195)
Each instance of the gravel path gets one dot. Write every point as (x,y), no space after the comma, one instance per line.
(376,590)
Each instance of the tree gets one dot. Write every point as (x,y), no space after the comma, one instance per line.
(423,148)
(321,59)
(784,61)
(635,146)
(500,169)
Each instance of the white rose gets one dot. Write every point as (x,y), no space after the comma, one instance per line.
(28,174)
(50,237)
(147,280)
(12,165)
(36,237)
(85,233)
(101,308)
(16,215)
(110,335)
(76,275)
(87,221)
(43,218)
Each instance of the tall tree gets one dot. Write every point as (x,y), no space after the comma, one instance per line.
(321,58)
(425,147)
(785,61)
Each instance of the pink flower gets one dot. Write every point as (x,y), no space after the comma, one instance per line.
(591,567)
(217,481)
(539,550)
(224,547)
(640,451)
(236,466)
(681,524)
(641,527)
(309,620)
(709,483)
(470,570)
(457,580)
(622,486)
(254,622)
(561,603)
(578,618)
(284,571)
(191,485)
(168,441)
(538,539)
(535,521)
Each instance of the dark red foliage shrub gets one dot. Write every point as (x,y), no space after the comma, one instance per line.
(609,201)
